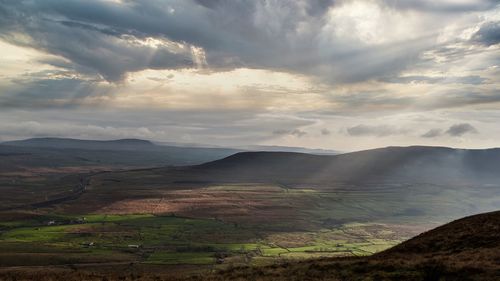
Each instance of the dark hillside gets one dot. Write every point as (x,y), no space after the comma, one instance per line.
(401,164)
(474,233)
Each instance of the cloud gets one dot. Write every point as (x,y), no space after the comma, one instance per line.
(443,6)
(371,100)
(432,133)
(488,34)
(459,98)
(101,41)
(198,126)
(412,99)
(378,131)
(296,132)
(336,41)
(471,80)
(458,130)
(52,89)
(233,71)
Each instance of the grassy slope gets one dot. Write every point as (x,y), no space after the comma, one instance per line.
(174,240)
(466,249)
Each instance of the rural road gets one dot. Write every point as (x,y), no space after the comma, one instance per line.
(77,192)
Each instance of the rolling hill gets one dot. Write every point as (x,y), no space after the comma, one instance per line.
(391,164)
(390,185)
(121,153)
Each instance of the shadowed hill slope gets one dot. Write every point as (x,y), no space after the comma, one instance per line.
(403,164)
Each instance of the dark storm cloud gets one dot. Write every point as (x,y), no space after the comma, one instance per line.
(378,131)
(280,35)
(61,92)
(94,34)
(432,133)
(319,7)
(458,130)
(488,34)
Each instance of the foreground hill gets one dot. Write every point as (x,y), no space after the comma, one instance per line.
(392,164)
(465,249)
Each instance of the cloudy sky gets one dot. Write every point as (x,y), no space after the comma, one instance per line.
(335,74)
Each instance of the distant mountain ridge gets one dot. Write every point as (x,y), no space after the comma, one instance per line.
(121,153)
(270,148)
(118,144)
(133,153)
(277,148)
(414,164)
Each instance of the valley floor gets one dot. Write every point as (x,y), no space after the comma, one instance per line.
(145,223)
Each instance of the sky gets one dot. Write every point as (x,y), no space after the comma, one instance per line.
(332,74)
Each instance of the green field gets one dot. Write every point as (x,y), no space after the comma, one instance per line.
(169,240)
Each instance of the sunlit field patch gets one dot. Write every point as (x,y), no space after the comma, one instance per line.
(172,240)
